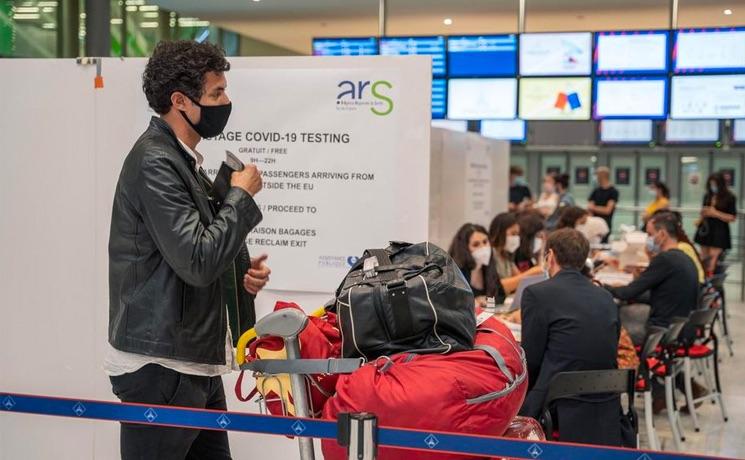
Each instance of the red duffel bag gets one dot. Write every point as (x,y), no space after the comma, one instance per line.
(474,392)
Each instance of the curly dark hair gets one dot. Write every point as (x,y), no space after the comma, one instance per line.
(180,66)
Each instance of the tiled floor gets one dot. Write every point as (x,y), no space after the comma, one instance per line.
(716,437)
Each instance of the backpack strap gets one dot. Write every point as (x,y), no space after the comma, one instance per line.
(239,392)
(395,287)
(498,358)
(304,366)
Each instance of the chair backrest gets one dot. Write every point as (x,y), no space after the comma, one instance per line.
(654,337)
(707,300)
(673,332)
(703,318)
(717,280)
(586,383)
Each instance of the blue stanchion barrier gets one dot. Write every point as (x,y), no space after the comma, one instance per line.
(289,426)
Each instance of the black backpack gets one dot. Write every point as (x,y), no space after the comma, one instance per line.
(409,297)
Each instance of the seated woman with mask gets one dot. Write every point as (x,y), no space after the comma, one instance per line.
(504,235)
(472,252)
(532,236)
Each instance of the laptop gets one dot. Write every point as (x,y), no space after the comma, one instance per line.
(524,283)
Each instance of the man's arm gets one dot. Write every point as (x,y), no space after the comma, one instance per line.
(606,210)
(198,254)
(657,271)
(534,333)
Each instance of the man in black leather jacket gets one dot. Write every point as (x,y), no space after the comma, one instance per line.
(181,283)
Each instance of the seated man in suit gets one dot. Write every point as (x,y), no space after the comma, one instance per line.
(570,324)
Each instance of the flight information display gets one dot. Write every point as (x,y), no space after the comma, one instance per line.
(508,130)
(626,131)
(439,98)
(632,52)
(555,98)
(548,54)
(355,46)
(709,50)
(482,98)
(708,97)
(630,98)
(692,131)
(738,131)
(403,46)
(482,55)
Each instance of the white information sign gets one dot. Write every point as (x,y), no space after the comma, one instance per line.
(344,155)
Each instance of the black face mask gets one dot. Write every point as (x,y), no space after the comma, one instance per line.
(212,121)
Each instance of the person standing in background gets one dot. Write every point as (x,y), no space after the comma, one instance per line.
(548,201)
(520,196)
(565,200)
(661,195)
(719,210)
(602,201)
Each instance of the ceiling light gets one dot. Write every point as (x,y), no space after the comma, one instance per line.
(25,16)
(257,1)
(727,11)
(149,25)
(447,21)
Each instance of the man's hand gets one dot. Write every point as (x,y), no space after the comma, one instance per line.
(249,179)
(257,276)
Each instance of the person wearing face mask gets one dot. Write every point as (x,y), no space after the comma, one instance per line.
(474,256)
(520,196)
(504,236)
(570,324)
(532,237)
(548,201)
(603,199)
(661,200)
(181,282)
(671,278)
(718,212)
(566,200)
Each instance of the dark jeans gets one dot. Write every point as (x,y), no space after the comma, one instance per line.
(157,385)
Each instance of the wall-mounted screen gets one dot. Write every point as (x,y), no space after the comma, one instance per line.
(452,125)
(631,52)
(626,131)
(638,97)
(548,54)
(353,46)
(439,97)
(482,98)
(403,46)
(482,55)
(709,50)
(508,130)
(555,98)
(692,131)
(708,96)
(738,131)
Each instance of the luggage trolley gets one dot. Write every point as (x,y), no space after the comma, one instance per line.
(357,432)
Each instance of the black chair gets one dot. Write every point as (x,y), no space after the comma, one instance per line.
(702,349)
(665,366)
(580,384)
(716,282)
(648,352)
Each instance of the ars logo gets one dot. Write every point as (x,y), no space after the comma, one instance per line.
(355,95)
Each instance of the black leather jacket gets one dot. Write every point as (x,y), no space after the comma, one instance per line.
(174,258)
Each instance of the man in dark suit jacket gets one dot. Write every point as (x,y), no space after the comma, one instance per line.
(570,324)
